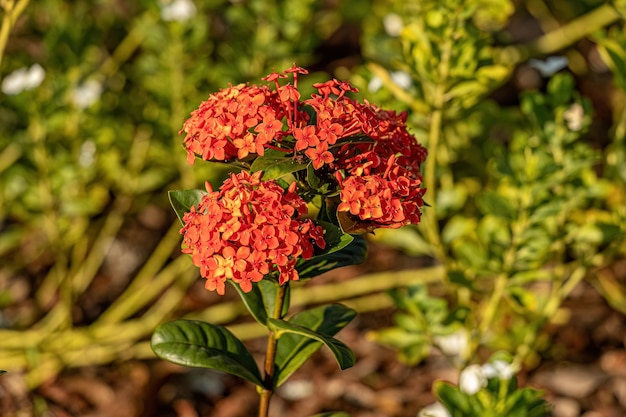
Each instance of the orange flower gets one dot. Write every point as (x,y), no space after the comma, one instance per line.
(320,155)
(248,229)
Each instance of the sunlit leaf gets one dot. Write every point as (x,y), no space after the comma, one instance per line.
(275,164)
(342,353)
(294,349)
(453,399)
(204,345)
(183,200)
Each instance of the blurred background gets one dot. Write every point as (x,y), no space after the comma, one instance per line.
(95,92)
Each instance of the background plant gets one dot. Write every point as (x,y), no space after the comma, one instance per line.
(86,155)
(521,213)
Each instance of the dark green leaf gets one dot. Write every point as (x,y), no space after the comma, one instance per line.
(204,345)
(292,349)
(352,140)
(342,254)
(458,277)
(335,238)
(254,301)
(275,164)
(183,200)
(342,353)
(327,188)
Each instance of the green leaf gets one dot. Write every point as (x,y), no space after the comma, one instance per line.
(525,402)
(452,398)
(349,250)
(183,200)
(260,300)
(335,238)
(204,345)
(292,350)
(471,253)
(406,239)
(254,301)
(491,202)
(560,88)
(342,353)
(275,164)
(332,414)
(458,227)
(323,187)
(459,278)
(412,347)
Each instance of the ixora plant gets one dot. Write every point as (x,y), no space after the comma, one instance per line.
(313,175)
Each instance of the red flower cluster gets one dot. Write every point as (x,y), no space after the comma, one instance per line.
(381,180)
(233,123)
(248,229)
(377,162)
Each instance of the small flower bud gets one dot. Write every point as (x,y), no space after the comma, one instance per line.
(472,379)
(434,410)
(498,369)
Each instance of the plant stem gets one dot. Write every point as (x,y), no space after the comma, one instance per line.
(270,355)
(560,38)
(434,134)
(494,302)
(12,11)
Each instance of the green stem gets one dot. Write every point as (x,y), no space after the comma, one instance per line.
(559,39)
(494,302)
(270,355)
(434,134)
(404,96)
(12,11)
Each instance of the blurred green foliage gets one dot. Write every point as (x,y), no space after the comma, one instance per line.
(83,154)
(525,204)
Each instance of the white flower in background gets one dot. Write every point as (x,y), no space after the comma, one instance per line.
(574,117)
(23,79)
(177,10)
(472,379)
(401,79)
(498,369)
(86,94)
(87,154)
(549,66)
(393,24)
(453,344)
(375,84)
(296,390)
(434,410)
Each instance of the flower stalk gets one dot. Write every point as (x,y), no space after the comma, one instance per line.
(270,356)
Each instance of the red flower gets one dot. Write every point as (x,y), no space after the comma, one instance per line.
(226,125)
(380,195)
(305,137)
(320,155)
(248,229)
